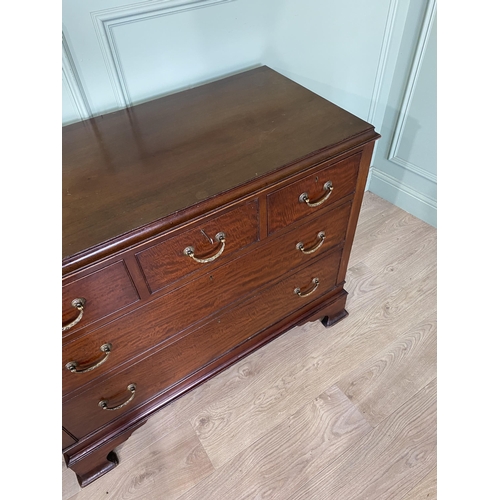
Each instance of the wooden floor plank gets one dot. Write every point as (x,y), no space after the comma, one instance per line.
(317,433)
(384,382)
(70,486)
(386,463)
(165,469)
(373,205)
(406,259)
(425,489)
(362,285)
(383,232)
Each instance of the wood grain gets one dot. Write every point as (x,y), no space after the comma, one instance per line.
(388,461)
(426,489)
(407,259)
(317,433)
(372,206)
(284,206)
(70,486)
(385,232)
(364,285)
(161,319)
(165,262)
(104,291)
(383,383)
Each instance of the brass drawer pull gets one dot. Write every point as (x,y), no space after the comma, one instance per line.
(72,366)
(221,237)
(104,402)
(79,304)
(300,246)
(328,187)
(315,282)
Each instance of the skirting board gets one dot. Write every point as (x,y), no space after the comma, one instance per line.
(403,196)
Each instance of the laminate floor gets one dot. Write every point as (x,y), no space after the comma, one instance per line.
(347,413)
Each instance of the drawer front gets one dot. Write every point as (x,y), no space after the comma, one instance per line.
(167,261)
(288,205)
(105,291)
(165,368)
(172,313)
(67,440)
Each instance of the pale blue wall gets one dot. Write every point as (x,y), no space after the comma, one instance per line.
(330,46)
(357,54)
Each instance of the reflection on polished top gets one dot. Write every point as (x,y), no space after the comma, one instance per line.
(125,170)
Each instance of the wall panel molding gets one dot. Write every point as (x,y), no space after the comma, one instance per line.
(408,96)
(383,59)
(106,21)
(414,168)
(70,74)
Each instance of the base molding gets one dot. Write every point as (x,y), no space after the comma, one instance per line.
(93,462)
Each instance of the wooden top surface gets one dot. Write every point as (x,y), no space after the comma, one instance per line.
(124,170)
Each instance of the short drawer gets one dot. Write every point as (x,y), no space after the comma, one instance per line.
(165,368)
(103,292)
(307,195)
(175,311)
(67,440)
(168,261)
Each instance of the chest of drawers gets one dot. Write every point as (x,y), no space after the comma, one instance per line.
(196,228)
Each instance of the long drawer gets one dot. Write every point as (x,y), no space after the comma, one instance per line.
(140,382)
(166,316)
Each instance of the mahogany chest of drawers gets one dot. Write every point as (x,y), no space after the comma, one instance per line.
(196,228)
